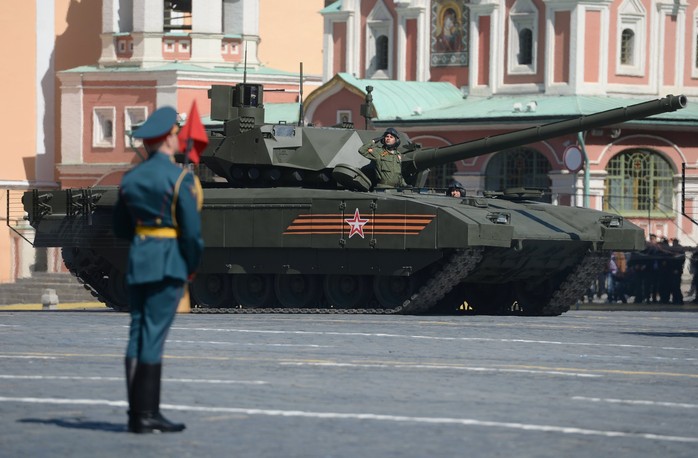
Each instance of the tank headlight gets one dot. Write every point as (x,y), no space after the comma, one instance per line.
(612,221)
(499,218)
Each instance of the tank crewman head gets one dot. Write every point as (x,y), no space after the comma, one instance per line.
(455,190)
(159,131)
(390,139)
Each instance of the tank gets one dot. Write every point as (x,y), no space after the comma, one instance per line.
(292,223)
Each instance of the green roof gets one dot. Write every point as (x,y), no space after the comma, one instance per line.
(274,113)
(179,66)
(536,107)
(398,99)
(428,102)
(333,8)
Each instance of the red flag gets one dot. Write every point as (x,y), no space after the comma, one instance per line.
(192,137)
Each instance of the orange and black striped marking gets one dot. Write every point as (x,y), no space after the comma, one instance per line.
(336,223)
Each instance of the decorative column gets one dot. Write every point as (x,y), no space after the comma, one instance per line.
(331,18)
(110,26)
(563,186)
(206,34)
(484,14)
(421,56)
(148,26)
(242,18)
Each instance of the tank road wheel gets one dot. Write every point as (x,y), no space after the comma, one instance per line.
(297,290)
(253,290)
(212,290)
(392,291)
(347,291)
(117,290)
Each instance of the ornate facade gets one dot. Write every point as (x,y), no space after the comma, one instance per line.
(519,63)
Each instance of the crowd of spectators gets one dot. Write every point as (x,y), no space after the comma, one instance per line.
(649,276)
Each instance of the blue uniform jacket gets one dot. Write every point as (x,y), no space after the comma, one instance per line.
(146,198)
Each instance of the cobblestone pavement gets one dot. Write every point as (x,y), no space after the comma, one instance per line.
(585,384)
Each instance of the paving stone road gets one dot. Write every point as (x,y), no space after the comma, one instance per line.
(585,384)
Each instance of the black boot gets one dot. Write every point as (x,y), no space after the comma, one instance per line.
(131,364)
(146,416)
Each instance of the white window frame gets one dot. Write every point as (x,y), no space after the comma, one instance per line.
(170,45)
(523,15)
(694,46)
(184,46)
(133,115)
(632,16)
(122,46)
(100,117)
(378,23)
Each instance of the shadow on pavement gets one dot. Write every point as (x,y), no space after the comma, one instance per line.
(75,423)
(664,334)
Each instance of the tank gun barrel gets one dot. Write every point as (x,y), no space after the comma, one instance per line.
(422,159)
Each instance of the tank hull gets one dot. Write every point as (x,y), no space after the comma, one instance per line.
(392,251)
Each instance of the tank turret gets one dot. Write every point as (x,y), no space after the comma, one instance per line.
(246,152)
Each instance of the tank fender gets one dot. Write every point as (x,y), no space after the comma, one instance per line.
(457,229)
(622,238)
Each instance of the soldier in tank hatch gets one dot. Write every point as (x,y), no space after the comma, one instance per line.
(158,212)
(455,190)
(383,152)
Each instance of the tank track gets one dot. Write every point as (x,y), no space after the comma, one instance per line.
(428,295)
(93,278)
(451,273)
(576,284)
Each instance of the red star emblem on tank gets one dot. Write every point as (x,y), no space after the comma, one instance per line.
(357,224)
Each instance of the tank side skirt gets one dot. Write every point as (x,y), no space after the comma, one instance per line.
(455,270)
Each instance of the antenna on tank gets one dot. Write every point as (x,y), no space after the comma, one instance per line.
(244,68)
(300,98)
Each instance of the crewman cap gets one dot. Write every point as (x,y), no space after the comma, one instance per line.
(394,133)
(158,124)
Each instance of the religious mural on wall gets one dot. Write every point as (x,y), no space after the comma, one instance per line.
(449,33)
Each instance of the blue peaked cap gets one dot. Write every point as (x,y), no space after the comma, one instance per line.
(158,124)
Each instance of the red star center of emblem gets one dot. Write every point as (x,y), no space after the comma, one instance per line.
(356,224)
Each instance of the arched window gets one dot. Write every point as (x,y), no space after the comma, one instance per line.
(640,182)
(518,168)
(521,38)
(631,45)
(525,55)
(382,53)
(378,52)
(627,46)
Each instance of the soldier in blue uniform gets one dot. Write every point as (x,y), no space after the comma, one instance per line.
(158,212)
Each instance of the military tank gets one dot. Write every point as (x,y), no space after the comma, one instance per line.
(293,223)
